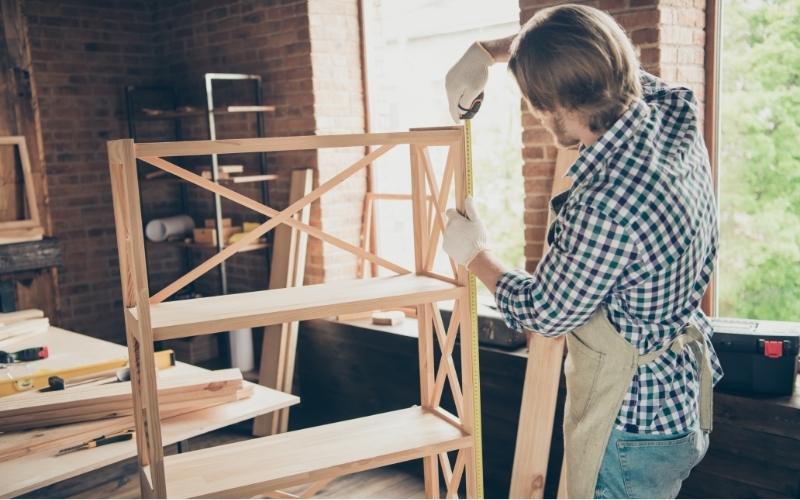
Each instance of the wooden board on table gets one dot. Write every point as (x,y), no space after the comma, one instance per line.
(94,402)
(19,443)
(39,469)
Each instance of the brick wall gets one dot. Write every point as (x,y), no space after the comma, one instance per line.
(270,40)
(86,51)
(670,35)
(338,109)
(83,53)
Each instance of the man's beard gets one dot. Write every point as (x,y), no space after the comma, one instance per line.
(563,139)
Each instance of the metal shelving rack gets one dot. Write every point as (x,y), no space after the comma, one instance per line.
(257,108)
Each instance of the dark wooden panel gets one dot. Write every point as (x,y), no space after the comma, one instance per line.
(30,255)
(707,485)
(779,416)
(760,446)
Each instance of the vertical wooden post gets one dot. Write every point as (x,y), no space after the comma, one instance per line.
(280,341)
(143,370)
(465,323)
(426,368)
(540,390)
(19,115)
(129,300)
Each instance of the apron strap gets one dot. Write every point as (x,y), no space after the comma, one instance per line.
(697,342)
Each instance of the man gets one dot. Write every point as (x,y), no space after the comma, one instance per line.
(632,248)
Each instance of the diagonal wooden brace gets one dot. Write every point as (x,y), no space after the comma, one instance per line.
(277,218)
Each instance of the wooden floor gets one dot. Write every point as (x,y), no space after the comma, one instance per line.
(121,480)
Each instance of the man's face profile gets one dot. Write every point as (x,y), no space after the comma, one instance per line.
(561,127)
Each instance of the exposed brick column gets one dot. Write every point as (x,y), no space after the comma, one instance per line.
(338,109)
(670,35)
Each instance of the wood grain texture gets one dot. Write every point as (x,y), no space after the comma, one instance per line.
(246,310)
(191,148)
(287,270)
(311,454)
(276,218)
(31,212)
(83,403)
(537,413)
(42,468)
(30,256)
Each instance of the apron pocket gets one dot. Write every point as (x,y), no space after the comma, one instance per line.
(581,369)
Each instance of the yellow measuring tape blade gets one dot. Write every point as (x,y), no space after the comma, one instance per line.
(473,317)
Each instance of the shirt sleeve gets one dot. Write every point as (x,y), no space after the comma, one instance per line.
(588,255)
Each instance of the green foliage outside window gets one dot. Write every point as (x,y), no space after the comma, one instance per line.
(759,267)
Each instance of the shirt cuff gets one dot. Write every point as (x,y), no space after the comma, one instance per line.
(507,289)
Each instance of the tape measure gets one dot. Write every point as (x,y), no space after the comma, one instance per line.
(473,318)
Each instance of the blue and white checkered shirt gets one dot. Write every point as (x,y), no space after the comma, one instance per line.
(637,234)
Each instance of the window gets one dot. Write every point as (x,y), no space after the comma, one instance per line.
(759,265)
(413,43)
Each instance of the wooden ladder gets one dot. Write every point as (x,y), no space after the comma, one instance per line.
(265,465)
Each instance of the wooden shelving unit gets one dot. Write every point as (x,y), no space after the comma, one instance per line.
(265,465)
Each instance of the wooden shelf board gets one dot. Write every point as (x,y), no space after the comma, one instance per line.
(248,248)
(171,115)
(249,468)
(205,315)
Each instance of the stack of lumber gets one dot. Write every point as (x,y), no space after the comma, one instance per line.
(96,402)
(20,325)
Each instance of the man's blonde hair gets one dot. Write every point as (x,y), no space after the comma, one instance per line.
(576,58)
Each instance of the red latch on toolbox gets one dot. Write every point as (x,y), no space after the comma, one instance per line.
(773,348)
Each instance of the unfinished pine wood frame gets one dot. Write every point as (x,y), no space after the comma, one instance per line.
(540,390)
(31,227)
(269,464)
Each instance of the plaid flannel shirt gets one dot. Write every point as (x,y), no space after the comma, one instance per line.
(638,235)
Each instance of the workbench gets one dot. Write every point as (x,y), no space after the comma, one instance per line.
(36,470)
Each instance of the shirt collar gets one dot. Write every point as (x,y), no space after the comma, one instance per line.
(594,157)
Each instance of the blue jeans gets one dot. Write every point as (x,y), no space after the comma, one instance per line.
(649,466)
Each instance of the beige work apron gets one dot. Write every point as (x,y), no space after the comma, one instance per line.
(599,369)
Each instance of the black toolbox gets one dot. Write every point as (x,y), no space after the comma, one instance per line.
(757,356)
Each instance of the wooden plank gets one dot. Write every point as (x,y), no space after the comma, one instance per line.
(239,179)
(30,255)
(711,119)
(93,402)
(300,457)
(540,391)
(42,468)
(140,343)
(286,270)
(22,117)
(27,327)
(17,316)
(271,144)
(247,310)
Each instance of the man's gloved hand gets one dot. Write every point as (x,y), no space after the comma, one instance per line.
(466,79)
(465,237)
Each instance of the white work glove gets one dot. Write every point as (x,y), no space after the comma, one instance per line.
(465,237)
(467,79)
